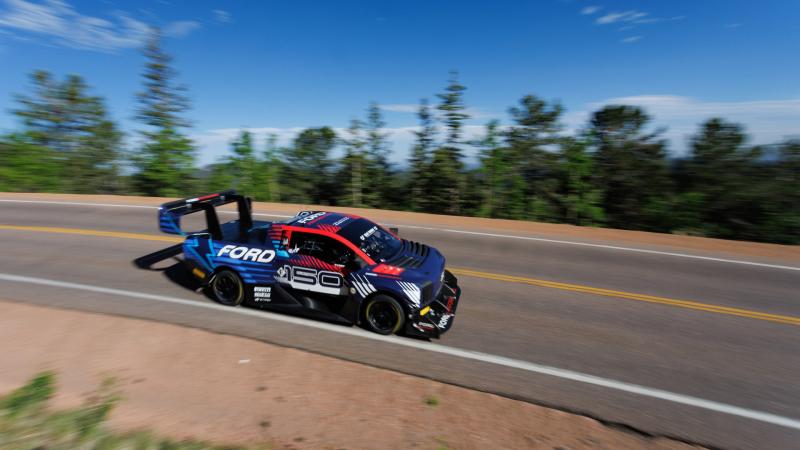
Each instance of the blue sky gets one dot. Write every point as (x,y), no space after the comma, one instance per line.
(280,66)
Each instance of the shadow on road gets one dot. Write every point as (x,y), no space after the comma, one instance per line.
(173,269)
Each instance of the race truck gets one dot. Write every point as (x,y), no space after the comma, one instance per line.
(327,265)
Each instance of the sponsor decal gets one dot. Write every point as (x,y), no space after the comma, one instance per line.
(308,279)
(369,233)
(443,321)
(422,326)
(262,293)
(341,221)
(247,254)
(311,217)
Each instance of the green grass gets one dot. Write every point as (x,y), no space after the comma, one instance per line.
(431,401)
(27,423)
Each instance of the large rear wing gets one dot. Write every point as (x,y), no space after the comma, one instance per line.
(170,213)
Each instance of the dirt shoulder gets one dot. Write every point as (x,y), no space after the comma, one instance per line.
(187,383)
(786,253)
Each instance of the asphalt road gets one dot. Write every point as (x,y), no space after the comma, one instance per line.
(698,349)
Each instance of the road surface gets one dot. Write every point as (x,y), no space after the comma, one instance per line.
(700,346)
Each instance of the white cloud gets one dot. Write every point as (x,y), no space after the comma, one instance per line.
(222,16)
(181,28)
(58,21)
(633,17)
(625,16)
(589,10)
(630,39)
(766,121)
(401,107)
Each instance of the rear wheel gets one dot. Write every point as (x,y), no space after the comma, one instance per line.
(384,315)
(227,288)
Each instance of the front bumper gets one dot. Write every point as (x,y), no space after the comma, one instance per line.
(441,315)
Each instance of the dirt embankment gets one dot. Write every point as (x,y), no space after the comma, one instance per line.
(787,253)
(187,383)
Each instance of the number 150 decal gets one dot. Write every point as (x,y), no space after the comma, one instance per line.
(308,279)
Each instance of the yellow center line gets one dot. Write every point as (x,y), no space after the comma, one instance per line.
(687,304)
(99,233)
(632,296)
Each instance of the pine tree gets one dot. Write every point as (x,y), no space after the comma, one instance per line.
(533,164)
(782,198)
(579,197)
(420,157)
(379,180)
(446,180)
(492,169)
(307,175)
(219,176)
(723,183)
(243,164)
(353,164)
(453,113)
(165,161)
(269,174)
(631,168)
(41,113)
(62,116)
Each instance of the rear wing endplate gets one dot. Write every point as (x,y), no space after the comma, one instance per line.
(170,213)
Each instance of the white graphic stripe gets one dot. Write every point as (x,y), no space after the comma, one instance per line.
(359,288)
(411,290)
(363,285)
(368,287)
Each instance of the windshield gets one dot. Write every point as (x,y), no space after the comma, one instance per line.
(373,240)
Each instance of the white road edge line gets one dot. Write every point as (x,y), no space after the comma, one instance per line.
(474,233)
(696,402)
(605,246)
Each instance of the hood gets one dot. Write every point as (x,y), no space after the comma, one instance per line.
(423,265)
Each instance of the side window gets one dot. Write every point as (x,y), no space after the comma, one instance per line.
(322,247)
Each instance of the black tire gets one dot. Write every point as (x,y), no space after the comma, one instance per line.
(383,315)
(227,288)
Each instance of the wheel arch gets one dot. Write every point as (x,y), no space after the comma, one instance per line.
(217,269)
(399,298)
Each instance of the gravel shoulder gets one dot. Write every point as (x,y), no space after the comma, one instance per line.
(188,383)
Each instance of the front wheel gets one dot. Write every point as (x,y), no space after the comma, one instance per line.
(227,288)
(383,315)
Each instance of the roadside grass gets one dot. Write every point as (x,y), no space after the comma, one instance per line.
(27,423)
(432,401)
